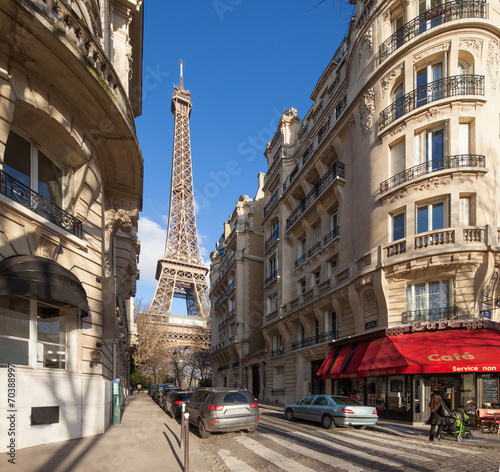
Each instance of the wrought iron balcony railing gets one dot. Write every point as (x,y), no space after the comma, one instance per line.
(319,338)
(331,235)
(443,13)
(316,248)
(300,260)
(457,85)
(278,391)
(434,314)
(270,204)
(448,162)
(271,277)
(337,170)
(272,239)
(278,352)
(40,205)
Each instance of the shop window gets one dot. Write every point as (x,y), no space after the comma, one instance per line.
(33,332)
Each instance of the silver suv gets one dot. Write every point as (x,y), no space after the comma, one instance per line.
(218,409)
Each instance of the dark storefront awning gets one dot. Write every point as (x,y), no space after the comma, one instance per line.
(38,277)
(450,351)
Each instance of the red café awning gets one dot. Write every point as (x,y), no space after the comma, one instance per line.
(454,350)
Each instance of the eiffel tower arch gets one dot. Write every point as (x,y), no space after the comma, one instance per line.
(180,272)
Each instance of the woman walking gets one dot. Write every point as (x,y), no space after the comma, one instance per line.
(439,412)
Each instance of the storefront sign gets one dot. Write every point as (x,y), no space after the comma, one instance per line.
(418,326)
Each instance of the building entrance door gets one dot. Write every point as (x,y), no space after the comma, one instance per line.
(317,383)
(448,386)
(255,380)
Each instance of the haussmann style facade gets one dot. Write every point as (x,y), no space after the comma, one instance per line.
(381,241)
(70,193)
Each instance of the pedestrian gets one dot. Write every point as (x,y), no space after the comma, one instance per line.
(439,413)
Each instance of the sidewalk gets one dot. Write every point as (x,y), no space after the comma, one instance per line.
(407,430)
(146,439)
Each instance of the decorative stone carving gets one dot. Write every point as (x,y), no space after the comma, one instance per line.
(433,114)
(366,110)
(367,40)
(390,77)
(444,46)
(473,45)
(400,129)
(492,63)
(398,196)
(433,183)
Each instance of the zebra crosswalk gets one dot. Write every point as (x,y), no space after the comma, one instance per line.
(350,451)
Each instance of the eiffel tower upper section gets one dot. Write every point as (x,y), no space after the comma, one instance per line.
(180,273)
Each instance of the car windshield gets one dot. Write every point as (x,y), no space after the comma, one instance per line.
(345,401)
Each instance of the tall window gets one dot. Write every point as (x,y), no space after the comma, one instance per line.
(333,267)
(430,297)
(315,278)
(32,333)
(272,303)
(316,329)
(278,344)
(316,233)
(430,148)
(28,164)
(425,76)
(432,216)
(301,287)
(275,229)
(302,247)
(398,158)
(331,324)
(397,24)
(273,266)
(428,21)
(465,211)
(398,226)
(397,98)
(334,219)
(300,332)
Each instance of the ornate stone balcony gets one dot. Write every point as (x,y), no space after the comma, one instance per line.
(439,15)
(454,86)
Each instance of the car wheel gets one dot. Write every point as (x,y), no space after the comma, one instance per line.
(202,432)
(361,426)
(327,422)
(289,415)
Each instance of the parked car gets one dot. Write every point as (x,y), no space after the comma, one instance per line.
(162,398)
(331,411)
(218,409)
(174,401)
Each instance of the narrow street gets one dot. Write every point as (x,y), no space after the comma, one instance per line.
(305,447)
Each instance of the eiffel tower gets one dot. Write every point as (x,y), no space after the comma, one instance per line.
(180,273)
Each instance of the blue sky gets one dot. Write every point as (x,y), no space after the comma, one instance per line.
(245,61)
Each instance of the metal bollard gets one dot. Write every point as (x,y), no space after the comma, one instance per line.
(183,408)
(186,438)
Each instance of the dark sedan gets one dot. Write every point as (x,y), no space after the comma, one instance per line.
(331,411)
(173,403)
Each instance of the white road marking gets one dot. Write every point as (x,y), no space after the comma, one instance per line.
(377,448)
(272,456)
(403,442)
(443,444)
(319,456)
(350,451)
(233,464)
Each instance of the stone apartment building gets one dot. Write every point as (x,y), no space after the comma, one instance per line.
(381,241)
(237,353)
(71,174)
